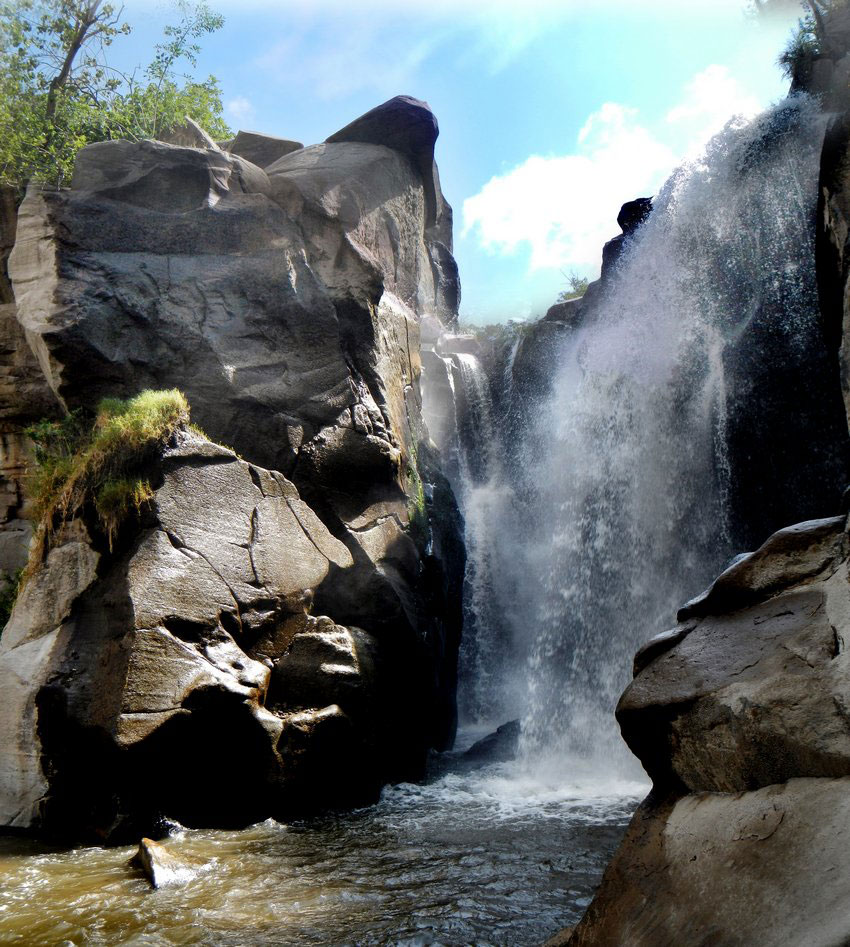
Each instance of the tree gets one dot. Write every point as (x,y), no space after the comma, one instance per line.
(59,93)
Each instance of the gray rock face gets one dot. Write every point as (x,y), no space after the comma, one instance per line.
(740,717)
(261,150)
(187,659)
(286,304)
(761,867)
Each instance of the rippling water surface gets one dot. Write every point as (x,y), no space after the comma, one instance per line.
(494,857)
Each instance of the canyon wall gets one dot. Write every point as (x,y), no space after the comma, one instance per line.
(279,632)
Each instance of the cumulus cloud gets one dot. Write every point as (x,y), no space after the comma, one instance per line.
(710,99)
(563,207)
(239,109)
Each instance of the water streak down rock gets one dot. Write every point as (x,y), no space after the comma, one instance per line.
(285,302)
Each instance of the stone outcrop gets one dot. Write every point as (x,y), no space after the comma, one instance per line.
(188,658)
(740,717)
(731,869)
(261,150)
(740,714)
(285,301)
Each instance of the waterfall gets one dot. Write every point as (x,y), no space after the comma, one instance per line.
(630,484)
(629,466)
(486,498)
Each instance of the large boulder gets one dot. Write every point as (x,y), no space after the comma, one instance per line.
(285,302)
(739,715)
(182,674)
(261,150)
(761,867)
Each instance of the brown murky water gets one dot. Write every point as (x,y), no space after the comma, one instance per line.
(495,857)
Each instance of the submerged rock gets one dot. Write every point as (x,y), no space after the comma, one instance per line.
(160,866)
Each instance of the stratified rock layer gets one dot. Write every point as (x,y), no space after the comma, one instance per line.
(285,301)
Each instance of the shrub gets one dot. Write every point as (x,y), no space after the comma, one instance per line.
(100,463)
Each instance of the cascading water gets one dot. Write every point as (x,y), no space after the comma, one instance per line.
(620,502)
(486,497)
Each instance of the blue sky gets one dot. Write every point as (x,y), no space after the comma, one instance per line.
(552,112)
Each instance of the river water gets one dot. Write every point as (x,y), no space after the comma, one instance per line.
(498,857)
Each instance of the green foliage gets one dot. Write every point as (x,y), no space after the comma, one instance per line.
(8,596)
(803,48)
(810,39)
(102,463)
(58,93)
(578,287)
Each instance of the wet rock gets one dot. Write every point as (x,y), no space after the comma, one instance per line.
(500,746)
(759,867)
(633,214)
(497,747)
(160,866)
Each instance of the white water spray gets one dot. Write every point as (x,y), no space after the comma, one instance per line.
(616,509)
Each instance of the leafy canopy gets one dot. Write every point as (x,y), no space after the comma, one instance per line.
(810,39)
(58,91)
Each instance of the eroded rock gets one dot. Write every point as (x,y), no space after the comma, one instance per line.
(261,150)
(184,669)
(761,867)
(160,866)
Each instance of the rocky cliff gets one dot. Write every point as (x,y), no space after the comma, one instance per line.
(282,624)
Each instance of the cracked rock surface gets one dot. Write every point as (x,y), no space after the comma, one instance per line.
(182,674)
(280,633)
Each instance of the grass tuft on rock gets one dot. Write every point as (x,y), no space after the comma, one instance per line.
(102,464)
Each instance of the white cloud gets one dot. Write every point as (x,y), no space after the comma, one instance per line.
(710,99)
(239,109)
(564,208)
